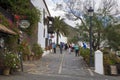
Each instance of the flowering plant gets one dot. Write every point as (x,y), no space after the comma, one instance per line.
(11,60)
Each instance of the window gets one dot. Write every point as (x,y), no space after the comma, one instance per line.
(44,16)
(44,33)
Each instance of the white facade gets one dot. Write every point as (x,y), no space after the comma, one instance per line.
(61,39)
(42,28)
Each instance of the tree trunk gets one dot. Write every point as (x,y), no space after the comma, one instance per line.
(57,39)
(96,42)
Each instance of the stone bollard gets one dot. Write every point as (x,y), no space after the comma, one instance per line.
(99,62)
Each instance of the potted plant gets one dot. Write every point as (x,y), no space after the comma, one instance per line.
(25,49)
(37,50)
(1,63)
(11,61)
(110,62)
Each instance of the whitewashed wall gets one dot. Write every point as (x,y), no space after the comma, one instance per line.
(39,4)
(61,39)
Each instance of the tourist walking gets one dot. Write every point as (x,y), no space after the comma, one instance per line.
(54,47)
(76,48)
(69,48)
(72,47)
(66,46)
(61,47)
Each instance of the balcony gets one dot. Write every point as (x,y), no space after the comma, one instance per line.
(50,29)
(50,24)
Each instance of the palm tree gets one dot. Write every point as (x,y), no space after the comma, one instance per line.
(60,27)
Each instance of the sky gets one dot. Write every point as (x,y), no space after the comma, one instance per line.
(52,5)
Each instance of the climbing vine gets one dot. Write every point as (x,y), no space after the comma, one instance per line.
(22,8)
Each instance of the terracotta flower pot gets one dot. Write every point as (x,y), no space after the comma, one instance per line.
(113,69)
(6,71)
(25,58)
(31,58)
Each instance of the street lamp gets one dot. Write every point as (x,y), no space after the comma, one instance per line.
(90,11)
(20,53)
(22,24)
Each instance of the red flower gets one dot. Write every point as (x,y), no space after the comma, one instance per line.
(17,17)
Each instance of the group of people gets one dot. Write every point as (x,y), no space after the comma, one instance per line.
(54,47)
(70,47)
(75,48)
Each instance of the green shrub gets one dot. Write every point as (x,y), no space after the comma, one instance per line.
(11,60)
(36,48)
(110,59)
(24,47)
(106,51)
(85,53)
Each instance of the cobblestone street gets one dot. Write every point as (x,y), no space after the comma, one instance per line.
(57,67)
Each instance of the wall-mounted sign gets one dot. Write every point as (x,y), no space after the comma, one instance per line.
(24,23)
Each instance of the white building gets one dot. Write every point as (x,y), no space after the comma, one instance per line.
(61,39)
(42,27)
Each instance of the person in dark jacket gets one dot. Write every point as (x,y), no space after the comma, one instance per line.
(61,47)
(54,47)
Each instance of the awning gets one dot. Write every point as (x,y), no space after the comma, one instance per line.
(6,30)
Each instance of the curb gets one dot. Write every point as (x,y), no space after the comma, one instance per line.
(45,53)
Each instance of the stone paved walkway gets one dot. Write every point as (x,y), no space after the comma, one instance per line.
(57,67)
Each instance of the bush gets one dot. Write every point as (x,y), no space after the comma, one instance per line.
(24,48)
(11,60)
(110,59)
(85,53)
(106,51)
(37,50)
